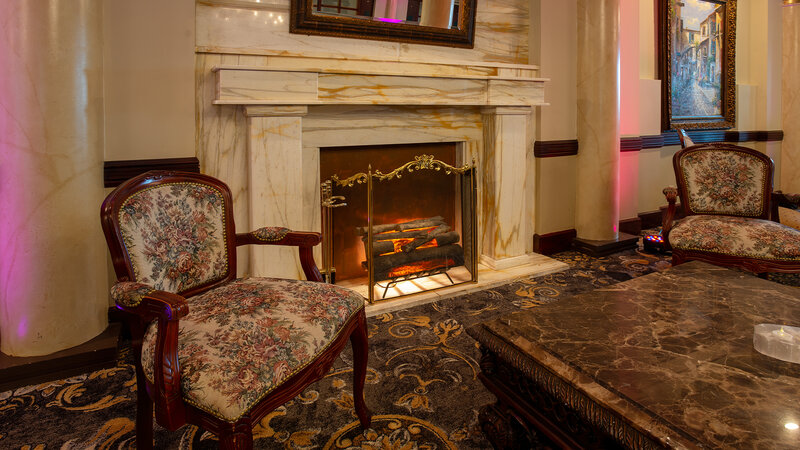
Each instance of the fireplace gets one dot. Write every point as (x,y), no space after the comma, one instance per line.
(397,218)
(270,116)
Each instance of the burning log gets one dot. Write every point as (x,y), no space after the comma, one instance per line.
(416,247)
(451,255)
(413,224)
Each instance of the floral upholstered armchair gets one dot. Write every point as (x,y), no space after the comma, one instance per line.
(210,349)
(726,196)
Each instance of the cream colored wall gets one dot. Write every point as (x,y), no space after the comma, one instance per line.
(148,62)
(645,173)
(554,41)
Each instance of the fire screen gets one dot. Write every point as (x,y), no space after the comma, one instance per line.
(405,249)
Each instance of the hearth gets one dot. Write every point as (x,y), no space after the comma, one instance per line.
(388,227)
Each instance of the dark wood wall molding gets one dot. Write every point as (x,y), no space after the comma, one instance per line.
(548,149)
(115,172)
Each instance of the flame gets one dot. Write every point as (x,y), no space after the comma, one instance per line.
(421,266)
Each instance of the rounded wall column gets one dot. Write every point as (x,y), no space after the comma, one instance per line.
(597,198)
(53,273)
(790,95)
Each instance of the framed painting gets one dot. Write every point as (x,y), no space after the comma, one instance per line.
(697,52)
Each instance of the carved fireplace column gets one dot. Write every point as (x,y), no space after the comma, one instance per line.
(790,93)
(597,202)
(275,183)
(505,203)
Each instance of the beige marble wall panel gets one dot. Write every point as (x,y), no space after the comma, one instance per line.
(267,86)
(222,142)
(511,92)
(276,187)
(253,29)
(376,89)
(352,65)
(53,285)
(790,89)
(517,72)
(597,208)
(500,35)
(331,126)
(504,197)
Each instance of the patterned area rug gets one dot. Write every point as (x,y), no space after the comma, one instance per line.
(422,384)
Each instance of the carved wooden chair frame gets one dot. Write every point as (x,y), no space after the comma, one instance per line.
(171,411)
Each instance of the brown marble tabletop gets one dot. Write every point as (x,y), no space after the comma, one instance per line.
(671,353)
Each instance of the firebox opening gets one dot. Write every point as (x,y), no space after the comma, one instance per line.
(417,218)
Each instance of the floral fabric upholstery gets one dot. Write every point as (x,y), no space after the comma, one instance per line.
(241,340)
(724,182)
(740,236)
(129,293)
(789,217)
(271,234)
(174,234)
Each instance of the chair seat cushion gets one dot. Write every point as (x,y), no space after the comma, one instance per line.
(739,236)
(239,341)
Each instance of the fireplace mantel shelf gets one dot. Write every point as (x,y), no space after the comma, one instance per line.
(253,85)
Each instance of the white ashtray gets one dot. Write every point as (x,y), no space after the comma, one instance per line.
(777,341)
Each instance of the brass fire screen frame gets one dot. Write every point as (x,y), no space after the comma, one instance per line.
(468,196)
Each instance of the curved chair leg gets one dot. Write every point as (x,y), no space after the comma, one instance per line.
(144,414)
(236,436)
(358,339)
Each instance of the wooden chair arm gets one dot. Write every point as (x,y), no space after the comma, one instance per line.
(148,304)
(304,240)
(672,194)
(780,199)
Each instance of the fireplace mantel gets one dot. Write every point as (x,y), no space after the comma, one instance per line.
(294,106)
(360,82)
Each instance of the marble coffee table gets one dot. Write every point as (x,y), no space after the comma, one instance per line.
(663,360)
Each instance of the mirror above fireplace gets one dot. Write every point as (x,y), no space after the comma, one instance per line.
(448,23)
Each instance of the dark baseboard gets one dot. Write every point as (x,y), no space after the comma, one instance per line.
(631,226)
(115,172)
(98,353)
(651,219)
(547,244)
(598,248)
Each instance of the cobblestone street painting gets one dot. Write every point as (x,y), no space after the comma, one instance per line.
(697,33)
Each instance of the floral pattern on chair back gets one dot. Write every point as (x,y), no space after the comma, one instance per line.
(724,181)
(174,235)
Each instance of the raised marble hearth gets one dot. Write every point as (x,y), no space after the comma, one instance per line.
(294,106)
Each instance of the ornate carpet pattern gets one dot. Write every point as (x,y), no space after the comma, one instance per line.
(422,384)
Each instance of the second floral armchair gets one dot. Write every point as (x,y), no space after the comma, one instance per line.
(730,217)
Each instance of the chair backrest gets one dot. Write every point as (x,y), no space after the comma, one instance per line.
(724,179)
(172,230)
(686,141)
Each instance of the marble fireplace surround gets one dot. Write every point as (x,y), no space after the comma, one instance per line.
(294,106)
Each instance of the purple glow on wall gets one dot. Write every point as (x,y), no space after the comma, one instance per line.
(386,19)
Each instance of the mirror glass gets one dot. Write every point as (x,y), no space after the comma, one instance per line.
(434,22)
(431,13)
